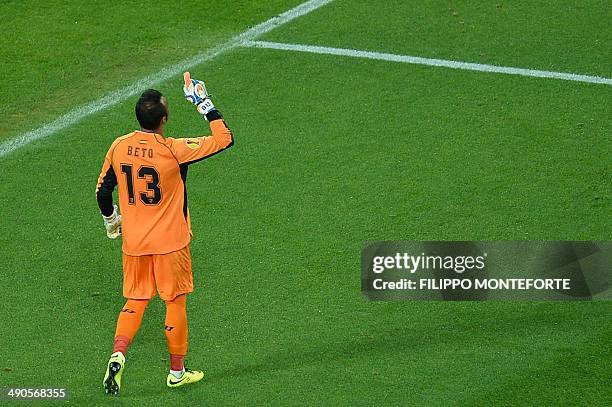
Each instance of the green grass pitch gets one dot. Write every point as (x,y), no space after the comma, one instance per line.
(330,152)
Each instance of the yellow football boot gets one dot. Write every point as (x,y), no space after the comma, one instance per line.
(189,376)
(114,370)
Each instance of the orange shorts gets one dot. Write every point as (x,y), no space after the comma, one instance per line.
(170,274)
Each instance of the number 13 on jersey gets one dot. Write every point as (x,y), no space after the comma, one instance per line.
(153,194)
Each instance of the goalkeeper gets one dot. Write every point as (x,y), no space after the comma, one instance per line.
(150,171)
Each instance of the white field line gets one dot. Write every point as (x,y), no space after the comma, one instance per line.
(407,59)
(141,84)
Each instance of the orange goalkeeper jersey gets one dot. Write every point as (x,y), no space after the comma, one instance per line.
(151,173)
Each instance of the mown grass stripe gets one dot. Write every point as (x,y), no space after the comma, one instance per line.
(141,84)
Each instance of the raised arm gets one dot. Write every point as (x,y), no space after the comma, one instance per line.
(189,150)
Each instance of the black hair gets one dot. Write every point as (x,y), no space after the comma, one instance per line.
(150,110)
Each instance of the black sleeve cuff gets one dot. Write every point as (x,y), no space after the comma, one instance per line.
(105,203)
(105,192)
(213,115)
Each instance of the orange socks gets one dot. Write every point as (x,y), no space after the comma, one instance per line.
(130,318)
(176,330)
(128,323)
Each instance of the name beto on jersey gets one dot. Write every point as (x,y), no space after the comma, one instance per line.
(140,152)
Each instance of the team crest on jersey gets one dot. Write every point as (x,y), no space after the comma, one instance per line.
(192,143)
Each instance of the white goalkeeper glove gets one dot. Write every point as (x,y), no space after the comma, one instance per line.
(112,223)
(195,92)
